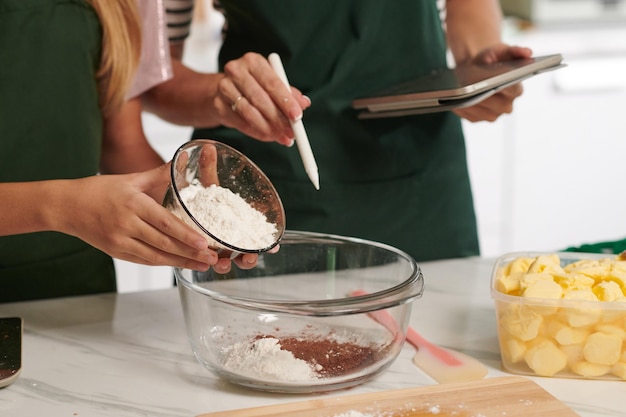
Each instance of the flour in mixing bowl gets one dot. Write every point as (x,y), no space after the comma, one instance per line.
(298,359)
(265,359)
(228,216)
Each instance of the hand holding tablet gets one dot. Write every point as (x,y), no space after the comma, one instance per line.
(452,88)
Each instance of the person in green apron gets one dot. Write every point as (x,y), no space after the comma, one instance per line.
(401,181)
(64,120)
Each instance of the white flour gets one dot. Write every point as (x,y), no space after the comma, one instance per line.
(264,359)
(228,216)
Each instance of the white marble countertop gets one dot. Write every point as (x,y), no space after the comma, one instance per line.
(127,355)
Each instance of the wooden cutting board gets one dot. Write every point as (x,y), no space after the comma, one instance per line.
(493,397)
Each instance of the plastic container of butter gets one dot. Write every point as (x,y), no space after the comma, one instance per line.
(561,314)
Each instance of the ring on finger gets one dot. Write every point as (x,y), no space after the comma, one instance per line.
(236,103)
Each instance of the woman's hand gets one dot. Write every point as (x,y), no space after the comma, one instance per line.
(253,99)
(501,102)
(121,215)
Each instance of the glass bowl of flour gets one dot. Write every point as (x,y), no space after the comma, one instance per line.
(323,313)
(224,195)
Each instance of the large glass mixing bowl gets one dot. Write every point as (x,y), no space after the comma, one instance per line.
(293,323)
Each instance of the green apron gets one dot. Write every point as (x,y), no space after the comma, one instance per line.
(50,128)
(400,181)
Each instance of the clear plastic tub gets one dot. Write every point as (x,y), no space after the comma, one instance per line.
(573,336)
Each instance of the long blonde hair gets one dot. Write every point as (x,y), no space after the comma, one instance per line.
(121,49)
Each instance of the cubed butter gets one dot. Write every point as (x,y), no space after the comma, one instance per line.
(509,284)
(608,291)
(619,370)
(587,339)
(543,288)
(545,358)
(546,263)
(520,265)
(616,316)
(581,264)
(619,276)
(567,335)
(574,353)
(589,370)
(573,281)
(521,321)
(617,330)
(583,316)
(512,349)
(580,317)
(598,273)
(602,349)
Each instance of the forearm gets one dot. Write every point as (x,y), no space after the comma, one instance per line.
(35,206)
(471,26)
(185,100)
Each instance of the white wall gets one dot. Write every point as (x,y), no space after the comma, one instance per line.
(548,176)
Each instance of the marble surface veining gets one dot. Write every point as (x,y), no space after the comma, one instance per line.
(127,355)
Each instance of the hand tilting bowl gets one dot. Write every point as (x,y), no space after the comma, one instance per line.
(209,165)
(291,325)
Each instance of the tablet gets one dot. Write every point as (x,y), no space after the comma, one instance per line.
(452,88)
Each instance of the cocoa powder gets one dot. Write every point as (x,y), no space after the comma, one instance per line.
(329,357)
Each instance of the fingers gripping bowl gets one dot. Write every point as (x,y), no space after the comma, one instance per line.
(290,325)
(221,193)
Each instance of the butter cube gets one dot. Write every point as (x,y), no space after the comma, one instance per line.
(619,370)
(598,273)
(512,349)
(521,321)
(520,265)
(585,294)
(616,330)
(574,353)
(589,370)
(619,266)
(573,281)
(581,264)
(608,291)
(583,316)
(547,264)
(546,290)
(603,349)
(509,284)
(545,358)
(543,288)
(618,274)
(616,316)
(566,335)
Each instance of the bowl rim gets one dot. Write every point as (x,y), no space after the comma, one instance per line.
(386,298)
(198,142)
(546,302)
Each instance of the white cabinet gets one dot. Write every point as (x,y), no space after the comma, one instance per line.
(551,175)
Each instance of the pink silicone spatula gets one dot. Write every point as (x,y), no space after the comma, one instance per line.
(441,364)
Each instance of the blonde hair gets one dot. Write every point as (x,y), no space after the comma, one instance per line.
(121,49)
